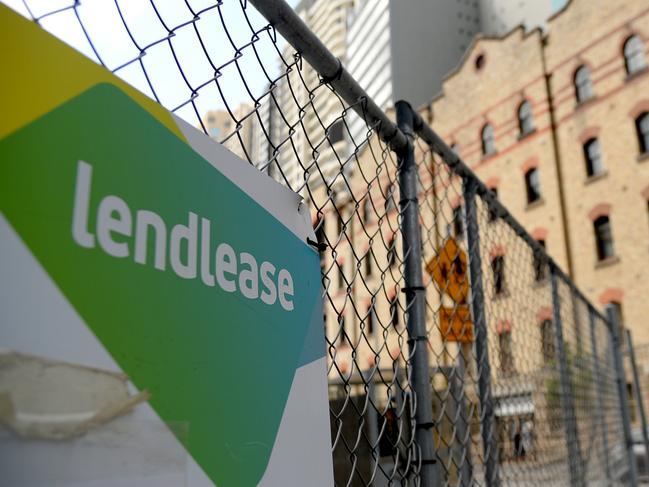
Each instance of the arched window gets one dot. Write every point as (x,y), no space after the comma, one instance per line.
(488,146)
(642,127)
(532,185)
(603,237)
(583,84)
(525,121)
(634,59)
(593,157)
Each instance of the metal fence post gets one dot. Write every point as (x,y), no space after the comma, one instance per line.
(567,403)
(462,426)
(600,394)
(638,397)
(620,377)
(415,300)
(489,440)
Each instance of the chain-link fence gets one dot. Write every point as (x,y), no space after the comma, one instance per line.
(458,352)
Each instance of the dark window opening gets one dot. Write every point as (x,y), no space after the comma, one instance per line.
(525,120)
(342,329)
(498,271)
(532,185)
(458,222)
(371,317)
(392,252)
(493,213)
(488,144)
(367,210)
(593,156)
(394,312)
(547,341)
(368,264)
(603,238)
(540,266)
(506,352)
(389,198)
(583,84)
(335,132)
(634,59)
(642,128)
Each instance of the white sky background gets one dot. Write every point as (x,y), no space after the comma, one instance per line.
(113,44)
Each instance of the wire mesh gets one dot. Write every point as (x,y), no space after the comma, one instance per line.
(223,68)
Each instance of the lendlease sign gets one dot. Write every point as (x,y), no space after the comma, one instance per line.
(233,271)
(134,246)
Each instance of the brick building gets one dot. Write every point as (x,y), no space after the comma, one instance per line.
(568,166)
(563,112)
(556,122)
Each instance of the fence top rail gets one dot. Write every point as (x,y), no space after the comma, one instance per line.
(289,24)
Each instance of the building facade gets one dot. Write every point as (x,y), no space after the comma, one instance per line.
(556,122)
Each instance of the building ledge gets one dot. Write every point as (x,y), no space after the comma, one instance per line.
(609,261)
(527,134)
(584,103)
(644,156)
(596,177)
(486,157)
(535,204)
(637,74)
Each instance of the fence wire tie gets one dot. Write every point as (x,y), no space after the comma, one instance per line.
(412,289)
(321,247)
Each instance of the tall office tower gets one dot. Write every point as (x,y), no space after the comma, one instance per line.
(328,19)
(403,50)
(395,50)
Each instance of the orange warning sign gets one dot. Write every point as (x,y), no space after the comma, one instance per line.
(449,270)
(456,325)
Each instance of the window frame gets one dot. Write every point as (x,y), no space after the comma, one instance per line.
(492,215)
(634,56)
(525,120)
(604,242)
(642,132)
(488,140)
(337,129)
(371,318)
(583,83)
(498,274)
(506,352)
(593,160)
(394,311)
(458,222)
(392,252)
(539,264)
(548,347)
(533,185)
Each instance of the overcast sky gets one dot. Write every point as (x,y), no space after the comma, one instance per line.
(115,47)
